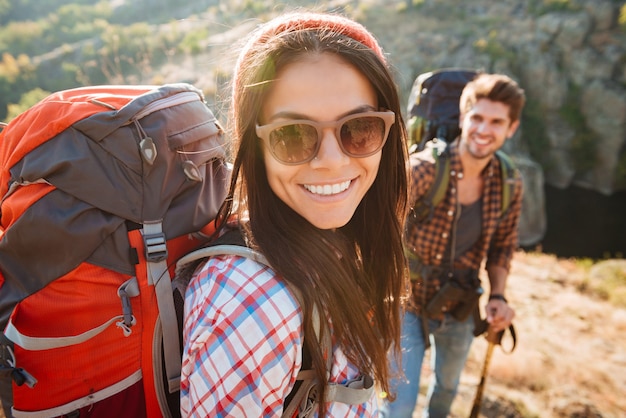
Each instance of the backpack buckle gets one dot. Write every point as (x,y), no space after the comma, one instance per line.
(8,368)
(156,249)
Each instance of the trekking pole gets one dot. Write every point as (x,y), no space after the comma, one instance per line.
(494,339)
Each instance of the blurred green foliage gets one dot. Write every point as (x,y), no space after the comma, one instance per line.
(57,44)
(605,279)
(27,100)
(54,45)
(541,7)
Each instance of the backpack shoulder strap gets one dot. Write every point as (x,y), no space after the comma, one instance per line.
(424,207)
(220,249)
(508,172)
(301,403)
(442,177)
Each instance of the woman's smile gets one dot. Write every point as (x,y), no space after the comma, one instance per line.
(328,189)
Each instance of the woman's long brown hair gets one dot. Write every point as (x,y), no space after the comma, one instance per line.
(354,274)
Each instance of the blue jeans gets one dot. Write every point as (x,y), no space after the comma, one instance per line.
(450,341)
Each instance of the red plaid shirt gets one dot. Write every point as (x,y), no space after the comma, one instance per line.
(243,344)
(428,240)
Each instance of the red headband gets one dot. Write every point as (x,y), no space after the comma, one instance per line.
(307,20)
(293,22)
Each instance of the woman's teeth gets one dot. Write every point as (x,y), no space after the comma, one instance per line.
(328,189)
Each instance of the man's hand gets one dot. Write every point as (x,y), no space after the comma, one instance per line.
(499,314)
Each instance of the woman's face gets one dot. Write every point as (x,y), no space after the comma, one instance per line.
(327,189)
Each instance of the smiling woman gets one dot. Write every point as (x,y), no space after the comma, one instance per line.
(319,188)
(321,87)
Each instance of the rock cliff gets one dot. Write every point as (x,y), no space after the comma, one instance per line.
(570,57)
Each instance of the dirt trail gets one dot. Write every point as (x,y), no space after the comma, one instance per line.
(570,359)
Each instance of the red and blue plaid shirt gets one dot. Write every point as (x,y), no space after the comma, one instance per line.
(243,344)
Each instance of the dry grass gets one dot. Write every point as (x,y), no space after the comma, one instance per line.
(570,358)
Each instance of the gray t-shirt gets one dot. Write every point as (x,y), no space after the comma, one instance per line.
(468,229)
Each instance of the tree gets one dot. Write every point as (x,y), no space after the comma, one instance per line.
(27,100)
(16,76)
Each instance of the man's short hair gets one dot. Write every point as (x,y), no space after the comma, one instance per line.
(497,88)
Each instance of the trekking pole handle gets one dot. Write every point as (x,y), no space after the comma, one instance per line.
(493,336)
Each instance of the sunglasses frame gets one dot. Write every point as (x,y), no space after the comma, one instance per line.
(388,117)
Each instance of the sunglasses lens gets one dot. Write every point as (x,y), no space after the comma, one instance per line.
(295,143)
(363,135)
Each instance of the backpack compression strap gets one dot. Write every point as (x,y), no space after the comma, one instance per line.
(159,276)
(304,401)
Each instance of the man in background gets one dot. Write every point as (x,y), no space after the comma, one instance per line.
(447,249)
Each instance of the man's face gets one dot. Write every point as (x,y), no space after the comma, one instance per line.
(485,128)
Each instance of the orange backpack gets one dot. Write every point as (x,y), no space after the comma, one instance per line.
(102,190)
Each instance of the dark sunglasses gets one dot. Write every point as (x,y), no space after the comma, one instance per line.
(359,135)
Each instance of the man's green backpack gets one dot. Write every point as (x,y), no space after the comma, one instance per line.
(424,207)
